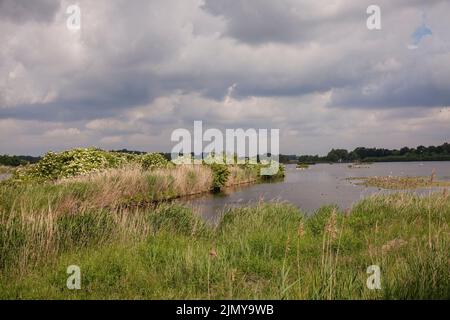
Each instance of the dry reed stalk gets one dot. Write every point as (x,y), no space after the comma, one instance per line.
(131,223)
(329,236)
(239,176)
(433,175)
(186,180)
(300,235)
(114,185)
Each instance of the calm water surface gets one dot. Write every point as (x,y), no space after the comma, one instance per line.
(321,184)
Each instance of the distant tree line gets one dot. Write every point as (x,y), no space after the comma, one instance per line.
(15,161)
(165,155)
(421,153)
(128,151)
(286,158)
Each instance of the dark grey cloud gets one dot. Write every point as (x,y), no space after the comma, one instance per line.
(260,21)
(89,100)
(289,21)
(415,83)
(387,96)
(20,11)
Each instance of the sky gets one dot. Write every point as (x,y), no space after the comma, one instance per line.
(137,70)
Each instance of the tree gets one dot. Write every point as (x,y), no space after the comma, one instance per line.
(337,155)
(404,151)
(421,149)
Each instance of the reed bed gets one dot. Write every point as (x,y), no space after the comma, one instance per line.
(119,187)
(129,186)
(240,176)
(265,251)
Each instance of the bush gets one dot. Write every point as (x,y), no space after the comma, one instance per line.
(220,175)
(153,160)
(77,162)
(68,164)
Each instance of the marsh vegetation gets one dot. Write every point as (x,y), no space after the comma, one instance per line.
(115,224)
(6,169)
(400,183)
(265,251)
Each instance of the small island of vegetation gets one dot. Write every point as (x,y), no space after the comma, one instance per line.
(400,183)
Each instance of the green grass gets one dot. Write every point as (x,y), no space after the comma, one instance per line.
(268,251)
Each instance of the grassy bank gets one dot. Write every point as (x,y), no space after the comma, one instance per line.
(265,251)
(85,179)
(128,186)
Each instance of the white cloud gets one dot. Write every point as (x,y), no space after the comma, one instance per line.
(62,133)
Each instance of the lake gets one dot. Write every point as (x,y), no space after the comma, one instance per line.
(321,184)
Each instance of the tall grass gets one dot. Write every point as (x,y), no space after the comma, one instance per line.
(113,188)
(6,169)
(241,175)
(263,251)
(131,184)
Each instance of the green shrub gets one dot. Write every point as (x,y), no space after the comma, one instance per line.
(153,160)
(68,164)
(220,175)
(77,162)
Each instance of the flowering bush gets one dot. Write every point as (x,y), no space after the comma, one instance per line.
(83,161)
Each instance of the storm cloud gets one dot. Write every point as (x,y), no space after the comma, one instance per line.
(21,11)
(137,70)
